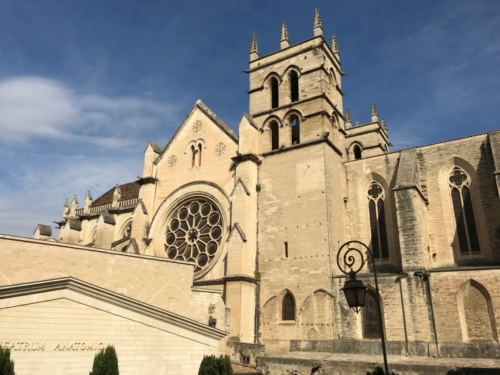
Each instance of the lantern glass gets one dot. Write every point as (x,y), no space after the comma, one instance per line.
(355,293)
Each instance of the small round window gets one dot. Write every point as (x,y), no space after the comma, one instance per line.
(194,233)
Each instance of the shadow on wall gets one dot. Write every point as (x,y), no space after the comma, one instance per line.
(473,371)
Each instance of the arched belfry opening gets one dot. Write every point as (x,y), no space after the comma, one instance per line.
(274,86)
(294,86)
(295,125)
(357,152)
(275,135)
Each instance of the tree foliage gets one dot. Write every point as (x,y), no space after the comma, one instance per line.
(6,364)
(211,365)
(105,362)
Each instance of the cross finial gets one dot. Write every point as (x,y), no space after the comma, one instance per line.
(254,48)
(317,23)
(284,39)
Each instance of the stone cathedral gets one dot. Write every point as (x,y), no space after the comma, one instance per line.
(244,228)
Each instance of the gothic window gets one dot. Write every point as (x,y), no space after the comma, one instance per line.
(357,152)
(370,316)
(273,84)
(128,230)
(193,157)
(295,124)
(199,155)
(288,307)
(294,86)
(379,243)
(463,210)
(194,233)
(275,135)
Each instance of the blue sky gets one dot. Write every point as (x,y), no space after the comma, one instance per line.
(84,85)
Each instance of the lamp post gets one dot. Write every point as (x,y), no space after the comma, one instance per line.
(350,260)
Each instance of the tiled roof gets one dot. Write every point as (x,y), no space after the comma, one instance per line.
(129,191)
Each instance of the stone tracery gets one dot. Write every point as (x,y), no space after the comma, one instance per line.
(194,233)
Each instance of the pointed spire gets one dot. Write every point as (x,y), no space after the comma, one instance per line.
(88,203)
(348,121)
(317,24)
(254,48)
(74,206)
(284,39)
(383,125)
(335,46)
(65,209)
(117,194)
(357,123)
(374,113)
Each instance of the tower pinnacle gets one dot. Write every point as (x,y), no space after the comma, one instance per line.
(383,124)
(284,39)
(254,48)
(335,47)
(348,121)
(317,24)
(374,113)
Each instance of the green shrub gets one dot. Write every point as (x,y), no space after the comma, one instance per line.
(6,364)
(105,362)
(378,371)
(211,365)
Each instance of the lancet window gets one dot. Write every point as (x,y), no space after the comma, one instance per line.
(273,85)
(378,228)
(466,230)
(294,86)
(275,135)
(357,152)
(371,316)
(288,307)
(199,155)
(193,156)
(295,125)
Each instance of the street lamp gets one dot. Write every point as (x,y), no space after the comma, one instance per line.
(350,260)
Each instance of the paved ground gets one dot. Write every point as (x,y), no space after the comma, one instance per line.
(425,361)
(286,363)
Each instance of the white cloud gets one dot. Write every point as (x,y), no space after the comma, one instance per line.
(35,107)
(35,195)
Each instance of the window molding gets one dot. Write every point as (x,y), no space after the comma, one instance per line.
(466,238)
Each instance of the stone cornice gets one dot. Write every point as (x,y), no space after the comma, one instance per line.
(244,278)
(304,144)
(240,158)
(226,279)
(146,180)
(119,300)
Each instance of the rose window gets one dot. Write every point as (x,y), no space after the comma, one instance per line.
(194,233)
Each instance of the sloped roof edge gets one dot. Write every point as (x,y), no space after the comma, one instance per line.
(240,231)
(119,300)
(250,120)
(240,181)
(208,112)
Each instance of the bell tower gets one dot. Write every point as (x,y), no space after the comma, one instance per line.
(295,92)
